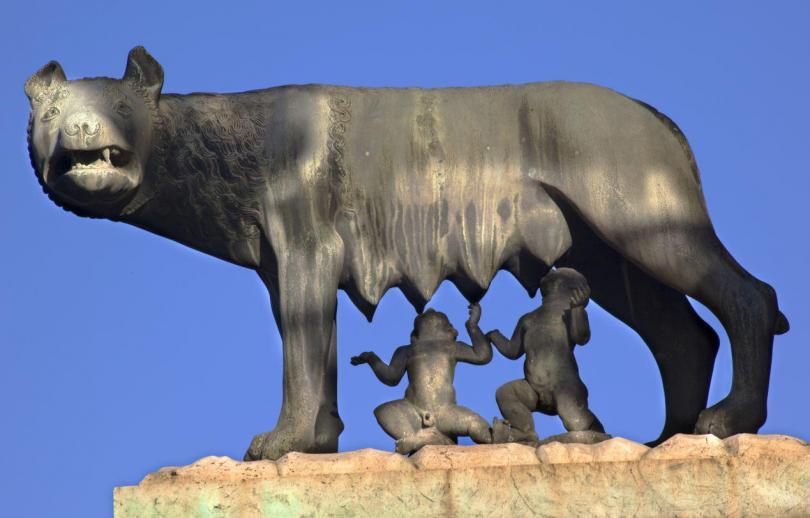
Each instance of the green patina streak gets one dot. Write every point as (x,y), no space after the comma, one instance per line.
(210,504)
(281,502)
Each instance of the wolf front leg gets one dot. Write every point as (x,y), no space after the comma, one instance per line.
(303,293)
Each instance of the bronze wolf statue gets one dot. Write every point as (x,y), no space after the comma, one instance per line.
(320,188)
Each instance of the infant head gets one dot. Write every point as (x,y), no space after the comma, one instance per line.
(566,282)
(433,325)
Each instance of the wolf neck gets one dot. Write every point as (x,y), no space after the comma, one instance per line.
(207,172)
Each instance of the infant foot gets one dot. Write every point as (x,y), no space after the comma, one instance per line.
(501,431)
(412,443)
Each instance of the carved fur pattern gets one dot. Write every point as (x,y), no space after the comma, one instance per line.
(339,116)
(52,95)
(215,160)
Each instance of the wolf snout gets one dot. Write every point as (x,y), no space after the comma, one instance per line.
(81,126)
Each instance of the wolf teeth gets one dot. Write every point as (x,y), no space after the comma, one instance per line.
(89,171)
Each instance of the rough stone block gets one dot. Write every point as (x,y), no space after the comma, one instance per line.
(682,446)
(477,456)
(361,461)
(745,475)
(612,450)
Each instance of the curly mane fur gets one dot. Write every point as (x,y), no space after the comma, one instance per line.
(211,156)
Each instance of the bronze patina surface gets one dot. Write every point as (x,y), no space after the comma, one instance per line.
(320,188)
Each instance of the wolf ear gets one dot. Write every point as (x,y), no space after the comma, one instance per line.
(144,71)
(43,79)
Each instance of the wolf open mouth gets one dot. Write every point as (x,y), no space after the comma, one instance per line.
(94,177)
(106,160)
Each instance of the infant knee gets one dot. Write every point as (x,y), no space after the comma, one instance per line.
(574,413)
(380,412)
(504,394)
(577,423)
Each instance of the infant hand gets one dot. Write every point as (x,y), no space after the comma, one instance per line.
(475,314)
(362,358)
(580,297)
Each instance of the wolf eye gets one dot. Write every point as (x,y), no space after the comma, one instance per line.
(123,109)
(52,112)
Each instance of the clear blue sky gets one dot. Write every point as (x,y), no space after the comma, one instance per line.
(121,352)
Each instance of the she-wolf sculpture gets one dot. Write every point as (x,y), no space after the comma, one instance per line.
(320,188)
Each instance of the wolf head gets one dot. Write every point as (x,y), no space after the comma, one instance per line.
(90,139)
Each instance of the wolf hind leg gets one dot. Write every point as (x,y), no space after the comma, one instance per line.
(683,345)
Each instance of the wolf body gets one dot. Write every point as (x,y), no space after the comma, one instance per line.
(320,188)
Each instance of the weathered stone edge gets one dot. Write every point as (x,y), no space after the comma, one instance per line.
(679,447)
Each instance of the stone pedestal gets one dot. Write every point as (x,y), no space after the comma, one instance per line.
(689,475)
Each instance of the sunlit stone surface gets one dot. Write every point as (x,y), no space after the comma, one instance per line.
(744,475)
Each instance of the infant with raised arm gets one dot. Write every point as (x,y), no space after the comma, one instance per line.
(547,337)
(428,414)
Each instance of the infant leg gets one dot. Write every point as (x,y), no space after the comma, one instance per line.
(398,418)
(572,407)
(457,420)
(517,400)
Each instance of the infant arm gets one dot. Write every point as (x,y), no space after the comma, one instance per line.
(481,351)
(479,354)
(512,349)
(391,374)
(579,329)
